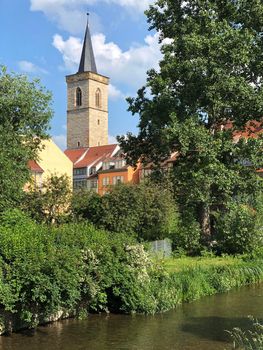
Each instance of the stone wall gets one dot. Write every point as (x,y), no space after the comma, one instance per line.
(87,125)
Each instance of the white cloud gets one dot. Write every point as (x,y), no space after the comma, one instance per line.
(69,14)
(29,67)
(114,93)
(112,140)
(70,50)
(65,13)
(138,5)
(126,67)
(60,141)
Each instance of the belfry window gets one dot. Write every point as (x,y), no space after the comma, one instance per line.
(78,97)
(98,98)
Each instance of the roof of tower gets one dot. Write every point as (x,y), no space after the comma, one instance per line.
(87,61)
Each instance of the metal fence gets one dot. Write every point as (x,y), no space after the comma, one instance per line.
(162,248)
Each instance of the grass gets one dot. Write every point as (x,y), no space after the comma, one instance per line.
(187,279)
(179,264)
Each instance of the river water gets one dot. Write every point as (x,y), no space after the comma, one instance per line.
(195,326)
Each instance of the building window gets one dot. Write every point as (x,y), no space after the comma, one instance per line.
(92,170)
(106,181)
(78,144)
(120,163)
(108,165)
(78,184)
(98,122)
(80,171)
(93,184)
(117,180)
(78,97)
(98,98)
(105,165)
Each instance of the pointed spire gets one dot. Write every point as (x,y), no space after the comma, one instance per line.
(87,61)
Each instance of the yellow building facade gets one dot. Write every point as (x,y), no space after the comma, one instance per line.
(51,160)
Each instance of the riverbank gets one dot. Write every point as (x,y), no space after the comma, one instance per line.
(188,279)
(52,272)
(200,325)
(169,283)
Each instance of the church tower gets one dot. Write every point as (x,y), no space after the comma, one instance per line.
(87,96)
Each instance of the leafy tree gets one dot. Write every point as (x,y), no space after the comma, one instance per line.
(211,73)
(237,231)
(24,120)
(87,205)
(148,210)
(51,202)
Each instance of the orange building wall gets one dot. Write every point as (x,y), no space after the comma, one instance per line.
(129,176)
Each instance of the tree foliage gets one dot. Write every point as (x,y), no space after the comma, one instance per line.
(211,73)
(51,202)
(24,120)
(148,210)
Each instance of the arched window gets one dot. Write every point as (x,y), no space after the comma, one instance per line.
(98,98)
(78,97)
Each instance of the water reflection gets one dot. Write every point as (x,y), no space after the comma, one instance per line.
(200,325)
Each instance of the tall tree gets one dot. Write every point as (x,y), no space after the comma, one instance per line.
(24,120)
(211,73)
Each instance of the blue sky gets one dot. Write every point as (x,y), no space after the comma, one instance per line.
(43,38)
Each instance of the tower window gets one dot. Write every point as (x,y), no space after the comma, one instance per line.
(98,98)
(78,97)
(78,144)
(98,122)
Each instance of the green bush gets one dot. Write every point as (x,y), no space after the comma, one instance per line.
(73,267)
(237,231)
(51,202)
(147,210)
(87,205)
(188,235)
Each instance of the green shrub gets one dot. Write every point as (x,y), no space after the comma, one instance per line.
(147,210)
(237,231)
(51,203)
(73,267)
(87,205)
(187,235)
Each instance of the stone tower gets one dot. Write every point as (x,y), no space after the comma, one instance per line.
(87,96)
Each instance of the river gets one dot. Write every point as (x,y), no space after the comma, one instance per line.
(199,325)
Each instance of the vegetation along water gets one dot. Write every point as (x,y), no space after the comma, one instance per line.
(74,269)
(199,325)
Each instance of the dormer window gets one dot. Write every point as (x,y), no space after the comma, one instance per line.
(78,97)
(98,98)
(120,163)
(92,170)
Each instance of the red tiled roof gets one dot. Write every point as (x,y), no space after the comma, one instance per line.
(75,154)
(83,157)
(253,130)
(34,166)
